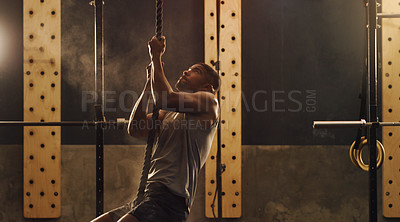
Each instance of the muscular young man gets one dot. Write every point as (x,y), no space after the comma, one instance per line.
(188,120)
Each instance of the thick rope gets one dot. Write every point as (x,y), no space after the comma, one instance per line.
(152,132)
(159,18)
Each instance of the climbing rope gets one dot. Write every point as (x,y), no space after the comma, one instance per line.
(152,132)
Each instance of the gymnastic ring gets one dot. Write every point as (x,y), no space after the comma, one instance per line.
(355,154)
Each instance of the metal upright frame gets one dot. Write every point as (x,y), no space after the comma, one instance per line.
(372,107)
(372,113)
(99,102)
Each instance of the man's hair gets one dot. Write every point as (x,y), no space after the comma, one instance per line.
(212,76)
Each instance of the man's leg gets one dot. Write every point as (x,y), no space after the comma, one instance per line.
(128,218)
(114,215)
(103,218)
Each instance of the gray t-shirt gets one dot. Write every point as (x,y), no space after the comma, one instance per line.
(180,150)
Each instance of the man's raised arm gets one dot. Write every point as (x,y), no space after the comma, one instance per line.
(139,120)
(167,99)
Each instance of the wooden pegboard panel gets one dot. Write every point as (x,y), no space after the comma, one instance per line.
(42,102)
(231,141)
(391,109)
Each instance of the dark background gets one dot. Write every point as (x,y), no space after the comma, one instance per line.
(302,61)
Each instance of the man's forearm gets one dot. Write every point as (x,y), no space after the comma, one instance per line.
(137,120)
(160,85)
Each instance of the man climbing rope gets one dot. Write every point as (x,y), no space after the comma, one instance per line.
(187,123)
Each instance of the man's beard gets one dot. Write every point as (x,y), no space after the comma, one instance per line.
(180,86)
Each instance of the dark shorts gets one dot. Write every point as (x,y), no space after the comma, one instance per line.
(160,204)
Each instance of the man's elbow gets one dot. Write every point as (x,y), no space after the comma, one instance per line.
(137,133)
(134,130)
